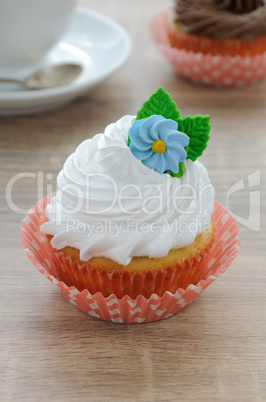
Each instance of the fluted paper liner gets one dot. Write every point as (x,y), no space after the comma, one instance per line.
(125,309)
(218,70)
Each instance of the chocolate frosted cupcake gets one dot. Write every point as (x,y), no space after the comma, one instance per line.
(224,27)
(215,42)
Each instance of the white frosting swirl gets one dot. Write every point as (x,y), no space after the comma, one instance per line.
(109,204)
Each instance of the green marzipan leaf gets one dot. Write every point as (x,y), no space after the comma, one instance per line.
(197,128)
(160,103)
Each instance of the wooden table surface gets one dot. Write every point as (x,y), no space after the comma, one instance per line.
(215,349)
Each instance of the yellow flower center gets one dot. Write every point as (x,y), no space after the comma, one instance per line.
(158,146)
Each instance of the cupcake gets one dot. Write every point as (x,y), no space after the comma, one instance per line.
(216,42)
(219,27)
(133,206)
(134,219)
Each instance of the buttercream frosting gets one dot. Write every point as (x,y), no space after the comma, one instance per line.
(222,19)
(109,204)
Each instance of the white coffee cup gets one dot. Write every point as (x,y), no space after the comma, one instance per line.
(28,30)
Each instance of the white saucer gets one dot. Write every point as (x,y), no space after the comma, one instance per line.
(93,40)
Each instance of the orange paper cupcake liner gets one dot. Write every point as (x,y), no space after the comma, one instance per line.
(204,61)
(228,47)
(120,283)
(126,283)
(126,309)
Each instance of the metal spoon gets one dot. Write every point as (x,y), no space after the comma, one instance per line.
(49,76)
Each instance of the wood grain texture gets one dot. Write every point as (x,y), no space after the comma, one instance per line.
(215,349)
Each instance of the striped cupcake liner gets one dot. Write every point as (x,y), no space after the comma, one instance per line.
(219,256)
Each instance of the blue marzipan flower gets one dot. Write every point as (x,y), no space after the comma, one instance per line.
(158,144)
